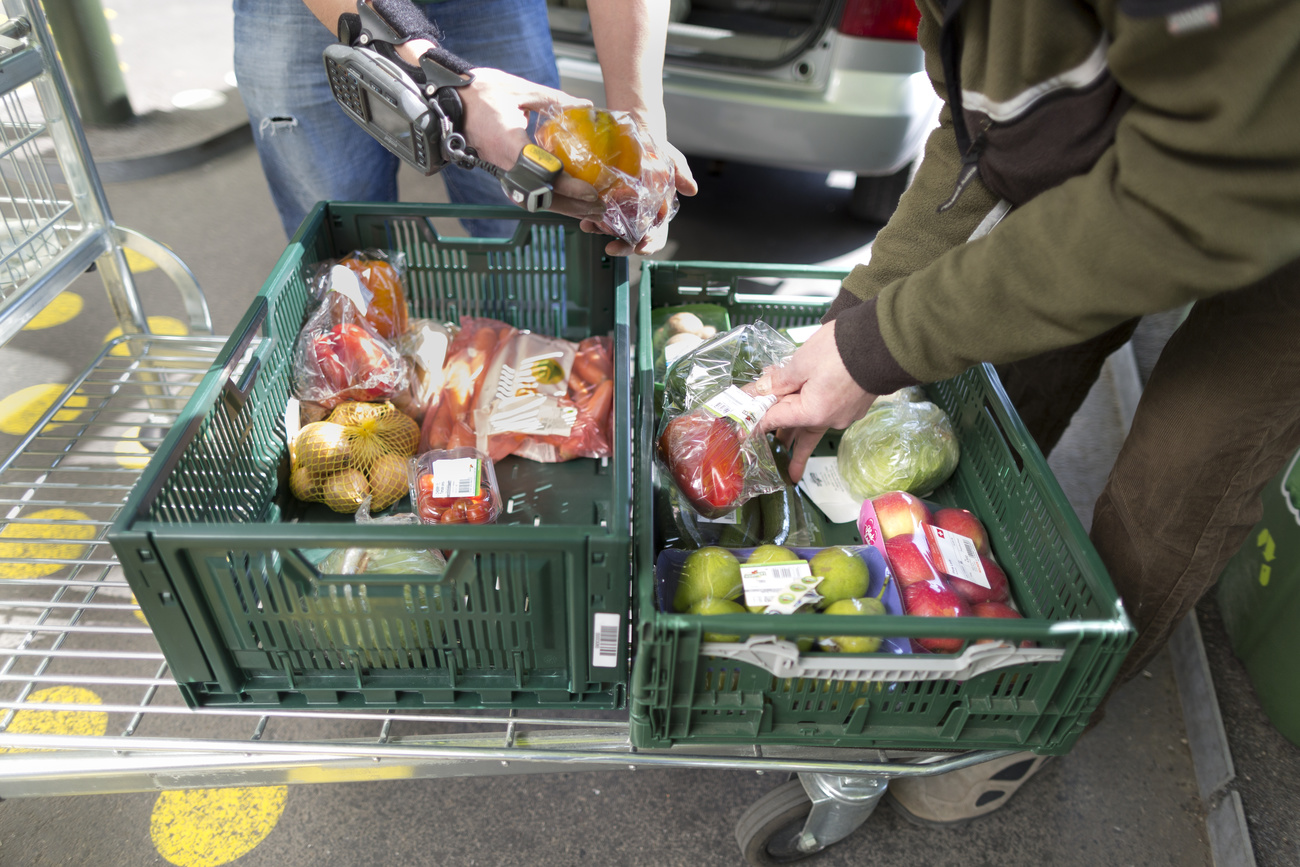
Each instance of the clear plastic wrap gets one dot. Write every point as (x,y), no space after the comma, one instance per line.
(339,356)
(424,347)
(610,151)
(941,560)
(706,439)
(899,445)
(678,330)
(455,486)
(394,561)
(381,274)
(449,422)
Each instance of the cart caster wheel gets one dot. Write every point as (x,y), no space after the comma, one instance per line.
(768,832)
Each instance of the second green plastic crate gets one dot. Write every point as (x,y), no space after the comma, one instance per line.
(532,611)
(680,697)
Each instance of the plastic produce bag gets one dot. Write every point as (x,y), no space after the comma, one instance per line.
(449,423)
(678,330)
(424,348)
(381,274)
(707,444)
(940,558)
(393,561)
(339,356)
(610,151)
(898,446)
(455,486)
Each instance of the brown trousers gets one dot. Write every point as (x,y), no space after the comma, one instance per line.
(1218,418)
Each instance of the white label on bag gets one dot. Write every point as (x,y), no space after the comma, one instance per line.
(763,583)
(800,333)
(955,555)
(535,414)
(732,517)
(457,477)
(432,351)
(825,486)
(604,640)
(734,404)
(344,281)
(674,351)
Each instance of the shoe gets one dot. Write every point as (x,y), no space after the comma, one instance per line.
(955,798)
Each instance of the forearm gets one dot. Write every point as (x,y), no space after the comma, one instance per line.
(630,37)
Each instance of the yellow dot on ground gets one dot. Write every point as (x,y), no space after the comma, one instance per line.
(64,308)
(58,722)
(20,410)
(211,827)
(157,325)
(138,262)
(138,613)
(131,453)
(26,548)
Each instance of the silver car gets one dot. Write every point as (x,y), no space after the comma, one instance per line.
(816,85)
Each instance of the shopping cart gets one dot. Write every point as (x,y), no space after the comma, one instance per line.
(69,624)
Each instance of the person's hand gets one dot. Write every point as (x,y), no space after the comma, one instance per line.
(654,239)
(496,125)
(816,394)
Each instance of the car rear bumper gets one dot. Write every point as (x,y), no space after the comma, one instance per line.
(871,123)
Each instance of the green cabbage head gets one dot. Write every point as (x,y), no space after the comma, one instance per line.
(898,446)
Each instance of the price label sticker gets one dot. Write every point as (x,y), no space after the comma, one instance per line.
(741,408)
(955,555)
(827,489)
(605,639)
(765,582)
(457,477)
(732,518)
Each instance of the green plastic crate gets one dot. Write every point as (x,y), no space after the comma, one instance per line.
(214,546)
(1060,585)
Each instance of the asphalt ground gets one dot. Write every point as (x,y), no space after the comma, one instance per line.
(1126,795)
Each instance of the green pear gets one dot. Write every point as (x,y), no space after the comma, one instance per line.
(709,573)
(770,554)
(717,606)
(844,574)
(853,643)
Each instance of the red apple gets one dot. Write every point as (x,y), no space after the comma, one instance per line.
(910,565)
(974,593)
(998,609)
(935,599)
(963,523)
(899,513)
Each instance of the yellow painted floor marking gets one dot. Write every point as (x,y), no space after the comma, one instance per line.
(64,308)
(131,453)
(138,263)
(157,324)
(24,544)
(58,722)
(211,827)
(20,410)
(138,613)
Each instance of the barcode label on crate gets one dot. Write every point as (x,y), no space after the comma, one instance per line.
(955,555)
(605,639)
(457,477)
(764,583)
(734,404)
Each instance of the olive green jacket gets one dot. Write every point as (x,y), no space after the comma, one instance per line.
(1150,161)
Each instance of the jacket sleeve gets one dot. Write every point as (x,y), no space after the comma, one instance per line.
(915,236)
(1199,194)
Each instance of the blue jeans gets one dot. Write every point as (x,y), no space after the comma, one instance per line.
(311,151)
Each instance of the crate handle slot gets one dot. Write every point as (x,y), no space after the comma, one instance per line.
(782,659)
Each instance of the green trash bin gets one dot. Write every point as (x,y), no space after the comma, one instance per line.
(1259,595)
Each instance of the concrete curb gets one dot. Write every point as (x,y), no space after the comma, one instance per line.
(161,142)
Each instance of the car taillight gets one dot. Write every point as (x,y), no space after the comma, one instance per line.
(880,19)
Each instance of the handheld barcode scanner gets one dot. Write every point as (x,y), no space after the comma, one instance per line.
(420,121)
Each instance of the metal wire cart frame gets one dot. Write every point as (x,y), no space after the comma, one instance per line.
(73,646)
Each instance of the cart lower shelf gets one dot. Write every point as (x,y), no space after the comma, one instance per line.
(86,701)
